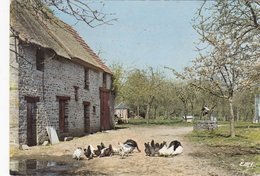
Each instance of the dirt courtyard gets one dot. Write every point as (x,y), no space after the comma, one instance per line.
(136,163)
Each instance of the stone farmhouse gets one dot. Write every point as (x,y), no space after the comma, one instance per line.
(55,80)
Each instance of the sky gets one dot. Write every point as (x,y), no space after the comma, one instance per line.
(147,33)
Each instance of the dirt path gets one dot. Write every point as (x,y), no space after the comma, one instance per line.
(137,163)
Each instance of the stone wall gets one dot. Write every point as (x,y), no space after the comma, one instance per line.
(205,125)
(59,78)
(13,96)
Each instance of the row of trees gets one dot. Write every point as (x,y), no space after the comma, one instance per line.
(151,94)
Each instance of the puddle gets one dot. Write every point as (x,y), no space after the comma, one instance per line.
(36,167)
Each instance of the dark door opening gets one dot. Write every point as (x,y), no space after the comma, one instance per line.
(62,116)
(104,109)
(31,124)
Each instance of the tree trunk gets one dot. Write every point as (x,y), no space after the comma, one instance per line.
(148,110)
(138,111)
(180,115)
(232,130)
(192,110)
(237,115)
(185,112)
(246,116)
(154,114)
(209,113)
(147,113)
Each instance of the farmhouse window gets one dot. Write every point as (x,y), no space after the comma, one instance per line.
(104,80)
(86,81)
(40,59)
(76,92)
(94,110)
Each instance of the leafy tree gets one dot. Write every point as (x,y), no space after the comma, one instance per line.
(118,80)
(166,97)
(141,88)
(244,103)
(183,92)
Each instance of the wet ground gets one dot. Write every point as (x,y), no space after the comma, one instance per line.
(41,167)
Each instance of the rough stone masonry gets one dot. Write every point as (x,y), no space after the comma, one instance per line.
(59,78)
(205,125)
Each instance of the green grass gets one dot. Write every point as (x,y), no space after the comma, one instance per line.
(245,146)
(154,122)
(13,152)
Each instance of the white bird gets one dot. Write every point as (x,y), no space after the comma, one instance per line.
(132,143)
(121,152)
(125,149)
(178,150)
(77,153)
(163,149)
(115,150)
(169,151)
(166,151)
(92,149)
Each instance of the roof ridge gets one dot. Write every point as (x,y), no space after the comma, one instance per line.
(86,47)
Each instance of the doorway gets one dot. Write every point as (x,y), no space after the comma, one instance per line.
(104,109)
(31,124)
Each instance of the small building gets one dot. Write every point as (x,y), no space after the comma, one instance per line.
(187,119)
(122,111)
(212,118)
(55,79)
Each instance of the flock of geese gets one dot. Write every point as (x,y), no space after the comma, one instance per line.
(127,147)
(174,148)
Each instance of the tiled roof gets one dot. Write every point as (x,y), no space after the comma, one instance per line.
(87,48)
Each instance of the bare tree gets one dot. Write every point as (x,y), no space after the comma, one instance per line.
(82,11)
(231,31)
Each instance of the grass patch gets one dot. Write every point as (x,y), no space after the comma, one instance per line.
(100,132)
(245,146)
(14,152)
(154,122)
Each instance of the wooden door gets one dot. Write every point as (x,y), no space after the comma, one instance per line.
(62,116)
(104,109)
(31,125)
